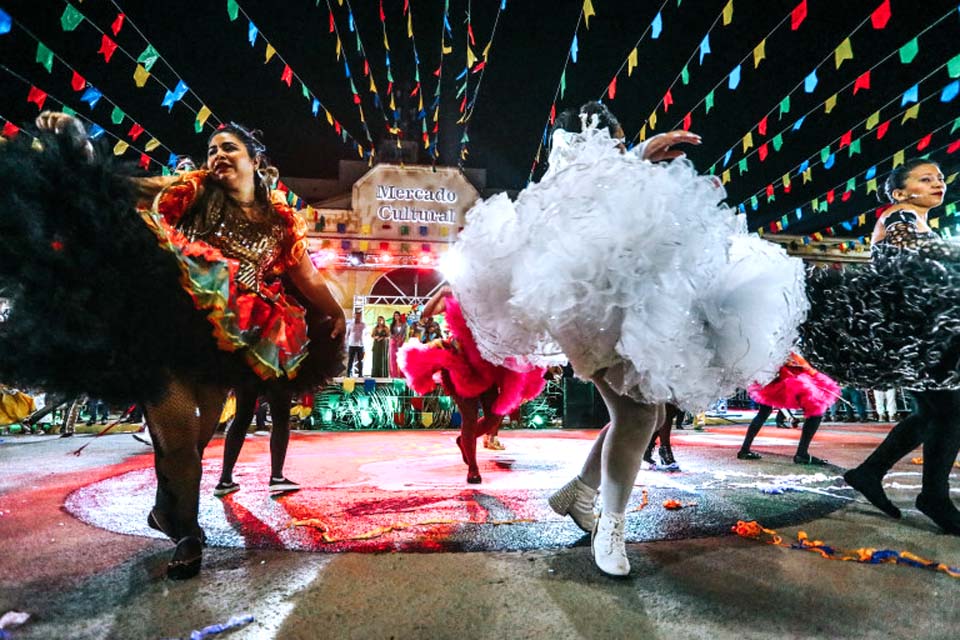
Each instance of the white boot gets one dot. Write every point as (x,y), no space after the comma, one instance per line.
(575,499)
(608,545)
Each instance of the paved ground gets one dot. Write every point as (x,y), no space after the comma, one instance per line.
(386,540)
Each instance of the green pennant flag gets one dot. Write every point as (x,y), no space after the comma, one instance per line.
(824,153)
(712,170)
(44,56)
(777,142)
(909,51)
(67,110)
(753,202)
(815,204)
(198,126)
(116,117)
(708,102)
(233,9)
(951,209)
(785,106)
(389,74)
(956,125)
(306,92)
(742,166)
(854,148)
(563,83)
(149,57)
(685,75)
(851,184)
(71,18)
(165,170)
(953,66)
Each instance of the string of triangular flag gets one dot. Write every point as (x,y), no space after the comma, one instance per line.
(477,65)
(655,28)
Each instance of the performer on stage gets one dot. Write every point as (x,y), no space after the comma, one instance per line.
(797,385)
(636,274)
(895,322)
(185,305)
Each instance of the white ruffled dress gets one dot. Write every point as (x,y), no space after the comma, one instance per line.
(619,264)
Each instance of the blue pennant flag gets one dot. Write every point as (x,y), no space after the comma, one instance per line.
(656,27)
(804,166)
(734,78)
(91,96)
(574,49)
(252,33)
(950,91)
(799,213)
(799,123)
(871,172)
(173,96)
(95,131)
(172,160)
(704,47)
(726,157)
(910,95)
(810,82)
(350,21)
(315,106)
(346,67)
(828,163)
(446,25)
(5,22)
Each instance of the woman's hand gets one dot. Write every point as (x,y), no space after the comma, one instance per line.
(660,147)
(61,123)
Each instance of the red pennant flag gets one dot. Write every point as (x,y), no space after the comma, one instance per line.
(687,121)
(416,90)
(383,17)
(287,76)
(332,25)
(553,113)
(117,24)
(830,197)
(846,195)
(846,138)
(925,142)
(366,68)
(762,127)
(37,97)
(135,131)
(144,161)
(479,66)
(787,187)
(78,83)
(769,190)
(437,72)
(798,15)
(336,126)
(356,98)
(436,127)
(762,151)
(463,104)
(10,130)
(952,148)
(880,15)
(107,47)
(612,88)
(406,6)
(667,101)
(882,130)
(879,211)
(862,82)
(470,33)
(389,88)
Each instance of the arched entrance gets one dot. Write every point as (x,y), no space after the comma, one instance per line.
(403,287)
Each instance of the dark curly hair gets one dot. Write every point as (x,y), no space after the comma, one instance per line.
(569,119)
(897,179)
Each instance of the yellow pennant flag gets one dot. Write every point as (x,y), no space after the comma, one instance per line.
(426,143)
(898,159)
(843,52)
(140,75)
(911,114)
(587,12)
(486,49)
(786,180)
(653,120)
(386,43)
(393,104)
(807,176)
(862,219)
(120,148)
(270,53)
(420,107)
(373,85)
(410,24)
(728,13)
(152,144)
(329,117)
(348,385)
(444,231)
(447,50)
(363,118)
(935,223)
(426,417)
(364,244)
(830,103)
(725,177)
(203,114)
(747,141)
(365,229)
(631,61)
(872,185)
(643,133)
(471,58)
(339,48)
(759,53)
(873,120)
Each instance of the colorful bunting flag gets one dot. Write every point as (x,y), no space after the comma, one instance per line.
(728,13)
(107,47)
(148,58)
(759,53)
(798,15)
(588,11)
(843,52)
(881,15)
(37,97)
(140,76)
(117,24)
(862,82)
(71,18)
(909,51)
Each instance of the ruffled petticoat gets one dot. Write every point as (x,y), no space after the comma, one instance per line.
(635,268)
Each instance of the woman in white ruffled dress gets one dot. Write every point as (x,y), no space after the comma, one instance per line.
(634,272)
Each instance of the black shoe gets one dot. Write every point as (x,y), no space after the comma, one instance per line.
(667,461)
(943,512)
(648,455)
(871,488)
(225,488)
(748,455)
(808,459)
(281,485)
(186,560)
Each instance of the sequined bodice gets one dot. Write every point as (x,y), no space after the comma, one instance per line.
(256,246)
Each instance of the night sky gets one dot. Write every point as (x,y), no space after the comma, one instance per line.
(212,55)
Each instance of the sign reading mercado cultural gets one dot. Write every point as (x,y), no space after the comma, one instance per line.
(389,197)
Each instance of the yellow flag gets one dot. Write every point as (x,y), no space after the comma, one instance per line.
(911,114)
(373,85)
(587,12)
(486,49)
(807,176)
(786,180)
(426,417)
(830,103)
(725,177)
(386,43)
(643,133)
(872,185)
(444,231)
(140,75)
(471,58)
(348,385)
(420,107)
(339,47)
(631,61)
(898,159)
(759,53)
(653,120)
(329,117)
(747,141)
(843,52)
(120,148)
(862,219)
(935,223)
(203,114)
(270,53)
(365,229)
(426,143)
(410,24)
(393,104)
(728,13)
(447,49)
(363,118)
(364,244)
(873,120)
(152,144)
